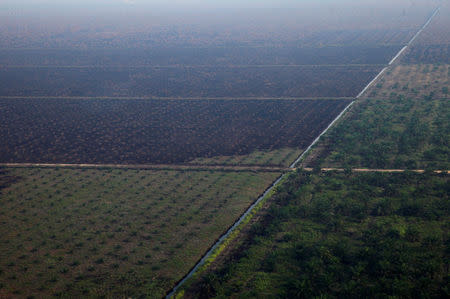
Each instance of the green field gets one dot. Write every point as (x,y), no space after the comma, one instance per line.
(420,81)
(336,235)
(117,233)
(281,158)
(397,132)
(395,127)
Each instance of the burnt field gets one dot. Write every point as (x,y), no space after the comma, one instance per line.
(282,55)
(359,37)
(430,54)
(185,82)
(155,131)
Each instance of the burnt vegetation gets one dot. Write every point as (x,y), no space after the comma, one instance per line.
(223,56)
(432,54)
(182,82)
(157,131)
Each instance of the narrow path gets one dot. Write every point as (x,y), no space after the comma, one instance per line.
(170,98)
(185,66)
(261,168)
(424,26)
(363,170)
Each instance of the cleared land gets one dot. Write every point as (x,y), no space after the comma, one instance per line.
(149,132)
(375,235)
(208,81)
(121,233)
(222,56)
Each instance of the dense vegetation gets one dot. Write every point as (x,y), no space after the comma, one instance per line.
(343,235)
(185,81)
(157,131)
(397,132)
(404,122)
(80,233)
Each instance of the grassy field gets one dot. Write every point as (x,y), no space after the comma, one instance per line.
(335,235)
(404,123)
(279,157)
(131,233)
(397,132)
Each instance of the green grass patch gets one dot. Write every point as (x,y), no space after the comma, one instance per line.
(115,233)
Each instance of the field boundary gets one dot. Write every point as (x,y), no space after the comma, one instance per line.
(172,98)
(189,47)
(180,167)
(390,64)
(229,235)
(424,26)
(175,66)
(321,134)
(376,170)
(240,221)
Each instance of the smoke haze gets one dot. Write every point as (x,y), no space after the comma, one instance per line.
(24,22)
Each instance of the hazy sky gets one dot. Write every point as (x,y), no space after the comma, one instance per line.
(18,5)
(197,11)
(271,16)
